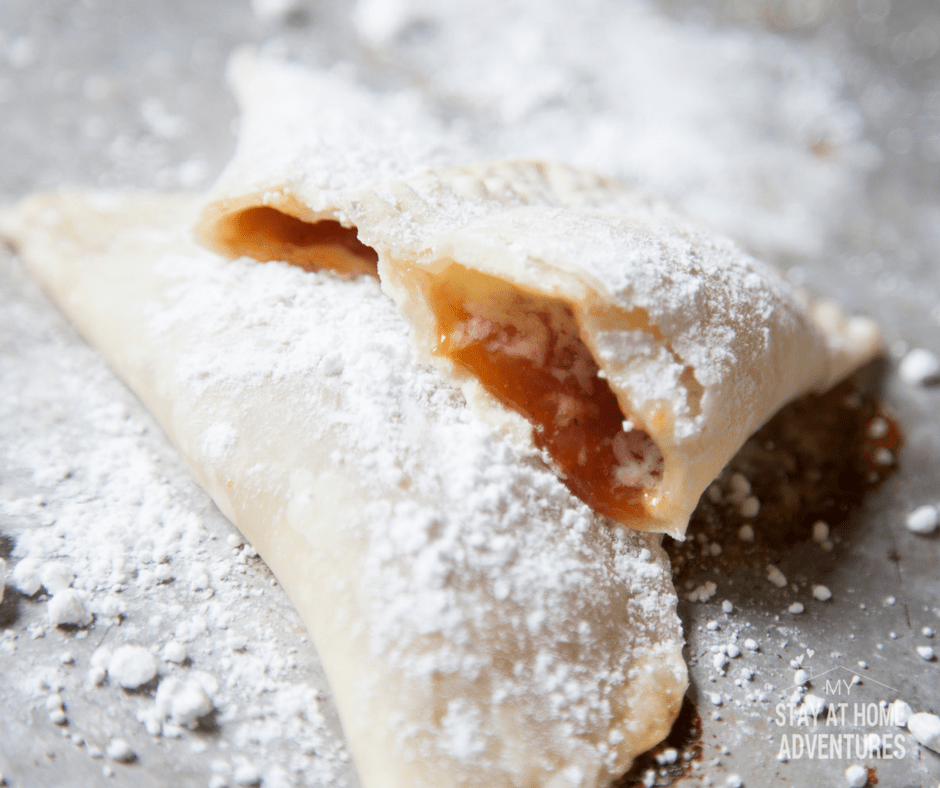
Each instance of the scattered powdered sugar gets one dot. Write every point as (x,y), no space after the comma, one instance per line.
(94,499)
(820,531)
(131,666)
(926,729)
(462,737)
(137,592)
(750,507)
(919,366)
(219,440)
(669,755)
(246,773)
(856,776)
(55,576)
(55,707)
(775,576)
(120,750)
(704,592)
(174,652)
(878,428)
(180,702)
(271,11)
(26,578)
(815,705)
(900,713)
(822,593)
(731,125)
(67,607)
(923,519)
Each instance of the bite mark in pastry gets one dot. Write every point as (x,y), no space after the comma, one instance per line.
(526,352)
(266,233)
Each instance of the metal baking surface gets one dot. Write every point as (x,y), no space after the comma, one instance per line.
(111,94)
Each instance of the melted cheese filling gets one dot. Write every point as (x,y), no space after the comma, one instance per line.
(268,234)
(525,350)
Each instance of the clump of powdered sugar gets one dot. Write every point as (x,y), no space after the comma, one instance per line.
(131,666)
(67,607)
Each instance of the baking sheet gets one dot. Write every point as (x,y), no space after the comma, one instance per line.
(114,95)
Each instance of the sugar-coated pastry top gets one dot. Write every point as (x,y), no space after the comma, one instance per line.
(699,342)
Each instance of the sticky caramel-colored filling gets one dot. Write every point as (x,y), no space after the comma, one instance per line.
(526,352)
(268,234)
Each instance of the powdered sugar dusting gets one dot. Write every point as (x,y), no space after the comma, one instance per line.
(708,314)
(106,505)
(447,576)
(747,130)
(756,130)
(219,440)
(480,601)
